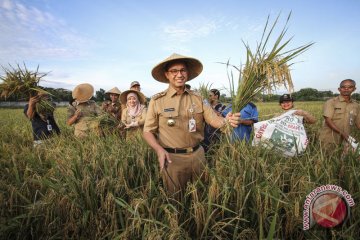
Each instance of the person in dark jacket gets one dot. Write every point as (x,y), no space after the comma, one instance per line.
(40,111)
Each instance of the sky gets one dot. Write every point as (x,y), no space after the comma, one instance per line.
(110,43)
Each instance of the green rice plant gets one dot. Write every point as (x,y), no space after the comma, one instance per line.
(110,188)
(264,69)
(204,90)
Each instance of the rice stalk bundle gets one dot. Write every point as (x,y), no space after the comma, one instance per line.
(21,81)
(108,124)
(264,70)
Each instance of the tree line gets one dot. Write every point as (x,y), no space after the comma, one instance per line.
(305,94)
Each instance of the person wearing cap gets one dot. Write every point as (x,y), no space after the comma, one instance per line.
(135,85)
(82,111)
(133,116)
(174,125)
(341,116)
(113,106)
(286,102)
(42,119)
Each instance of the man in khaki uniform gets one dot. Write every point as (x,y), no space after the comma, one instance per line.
(174,125)
(82,112)
(341,114)
(113,106)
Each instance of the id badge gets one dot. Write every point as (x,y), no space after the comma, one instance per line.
(49,127)
(192,125)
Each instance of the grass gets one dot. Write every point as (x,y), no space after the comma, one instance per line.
(107,188)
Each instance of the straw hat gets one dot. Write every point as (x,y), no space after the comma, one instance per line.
(114,90)
(194,66)
(123,96)
(83,92)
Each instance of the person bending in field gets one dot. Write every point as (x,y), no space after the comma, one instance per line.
(286,102)
(82,112)
(40,111)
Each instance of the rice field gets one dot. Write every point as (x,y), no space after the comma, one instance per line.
(108,188)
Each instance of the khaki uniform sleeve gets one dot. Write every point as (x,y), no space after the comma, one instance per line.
(152,119)
(212,118)
(98,110)
(328,109)
(143,117)
(357,120)
(70,111)
(123,115)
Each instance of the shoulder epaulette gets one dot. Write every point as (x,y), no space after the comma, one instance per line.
(158,95)
(196,93)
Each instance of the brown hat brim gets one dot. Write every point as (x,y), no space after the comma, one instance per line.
(141,96)
(194,66)
(83,92)
(114,90)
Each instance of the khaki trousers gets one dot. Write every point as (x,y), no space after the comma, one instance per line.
(184,168)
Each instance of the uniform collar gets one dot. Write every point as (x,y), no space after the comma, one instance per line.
(342,99)
(172,92)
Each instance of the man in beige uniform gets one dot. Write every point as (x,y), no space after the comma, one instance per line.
(113,106)
(341,114)
(174,125)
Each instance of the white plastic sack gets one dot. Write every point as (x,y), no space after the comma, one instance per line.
(354,145)
(285,134)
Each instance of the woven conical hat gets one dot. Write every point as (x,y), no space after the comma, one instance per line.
(83,92)
(194,66)
(114,90)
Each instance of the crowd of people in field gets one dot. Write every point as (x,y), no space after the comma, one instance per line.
(180,125)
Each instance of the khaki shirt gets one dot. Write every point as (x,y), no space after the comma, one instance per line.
(87,121)
(181,108)
(114,109)
(344,115)
(127,119)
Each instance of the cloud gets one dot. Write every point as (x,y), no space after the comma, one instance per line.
(187,29)
(29,32)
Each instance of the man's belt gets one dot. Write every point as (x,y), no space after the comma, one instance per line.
(182,150)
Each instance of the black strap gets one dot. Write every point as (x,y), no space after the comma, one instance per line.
(182,150)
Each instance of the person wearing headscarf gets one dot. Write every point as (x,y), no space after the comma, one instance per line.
(133,116)
(82,112)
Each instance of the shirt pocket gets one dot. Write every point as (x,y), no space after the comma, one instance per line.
(339,113)
(166,118)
